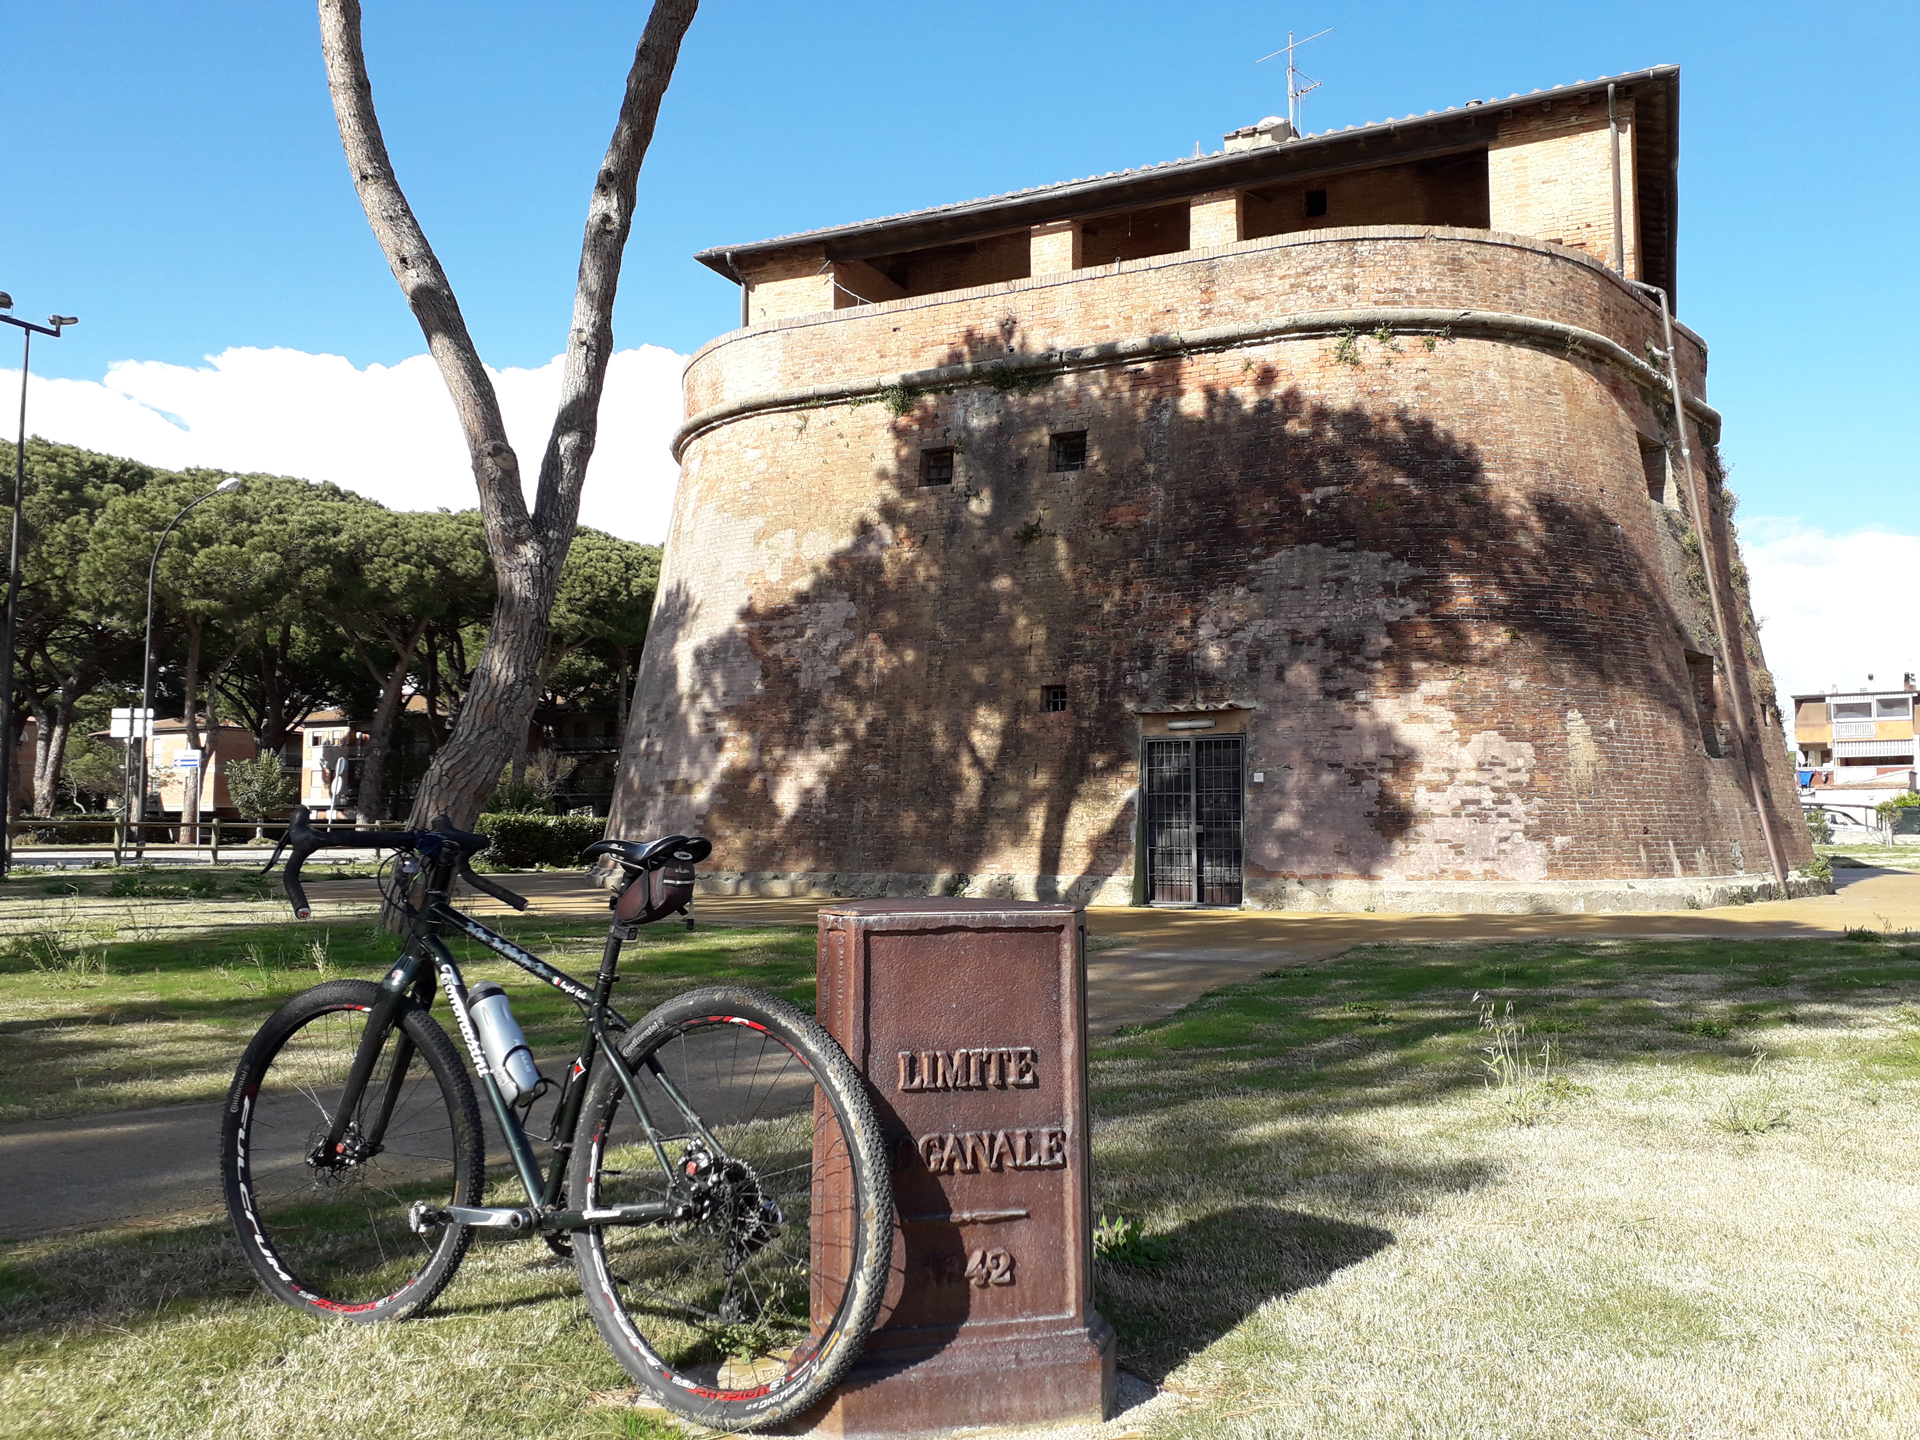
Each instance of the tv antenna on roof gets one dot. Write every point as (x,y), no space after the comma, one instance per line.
(1296,91)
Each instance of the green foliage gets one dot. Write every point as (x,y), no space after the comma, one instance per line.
(898,399)
(1346,347)
(93,771)
(1121,1241)
(260,788)
(1887,809)
(1819,827)
(521,841)
(1008,381)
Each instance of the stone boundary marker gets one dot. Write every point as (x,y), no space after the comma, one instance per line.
(968,1018)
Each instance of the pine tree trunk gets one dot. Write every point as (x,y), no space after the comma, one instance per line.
(491,730)
(371,803)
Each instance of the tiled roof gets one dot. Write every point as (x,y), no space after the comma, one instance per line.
(1037,192)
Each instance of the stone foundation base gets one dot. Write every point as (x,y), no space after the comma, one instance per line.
(856,885)
(1404,897)
(1523,897)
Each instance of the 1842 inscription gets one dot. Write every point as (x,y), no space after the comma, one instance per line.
(995,1067)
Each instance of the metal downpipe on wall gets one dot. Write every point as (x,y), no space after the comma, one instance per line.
(1619,230)
(1703,524)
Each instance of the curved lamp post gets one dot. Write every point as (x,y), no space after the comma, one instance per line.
(9,742)
(146,662)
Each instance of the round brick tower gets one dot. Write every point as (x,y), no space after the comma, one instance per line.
(1346,566)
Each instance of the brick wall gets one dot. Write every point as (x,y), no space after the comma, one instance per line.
(1430,571)
(1550,175)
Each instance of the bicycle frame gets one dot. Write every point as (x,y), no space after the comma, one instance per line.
(425,964)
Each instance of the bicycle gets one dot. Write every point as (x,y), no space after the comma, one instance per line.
(717,1171)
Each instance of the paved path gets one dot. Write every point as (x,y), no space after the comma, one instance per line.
(154,1165)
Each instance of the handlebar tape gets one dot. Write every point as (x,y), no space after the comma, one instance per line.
(487,887)
(300,840)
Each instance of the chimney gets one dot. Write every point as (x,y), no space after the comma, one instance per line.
(1270,131)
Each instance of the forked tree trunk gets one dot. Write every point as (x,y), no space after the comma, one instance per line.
(527,549)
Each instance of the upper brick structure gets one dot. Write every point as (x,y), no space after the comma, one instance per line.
(1345,459)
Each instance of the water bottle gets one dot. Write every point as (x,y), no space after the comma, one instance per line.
(500,1036)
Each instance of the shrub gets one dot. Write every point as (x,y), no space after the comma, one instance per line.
(259,788)
(1886,809)
(520,841)
(541,780)
(1819,827)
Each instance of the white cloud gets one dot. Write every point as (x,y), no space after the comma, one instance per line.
(1833,608)
(387,432)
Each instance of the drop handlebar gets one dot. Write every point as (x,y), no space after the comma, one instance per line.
(302,839)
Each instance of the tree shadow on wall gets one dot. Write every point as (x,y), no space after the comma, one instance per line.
(1349,568)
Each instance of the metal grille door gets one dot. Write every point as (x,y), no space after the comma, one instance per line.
(1170,857)
(1193,814)
(1216,808)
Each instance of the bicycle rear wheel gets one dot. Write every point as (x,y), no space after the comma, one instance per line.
(746,1308)
(334,1238)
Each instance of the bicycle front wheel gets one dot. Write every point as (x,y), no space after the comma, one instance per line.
(332,1234)
(754,1299)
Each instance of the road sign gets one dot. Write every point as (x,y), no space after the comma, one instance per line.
(187,760)
(130,723)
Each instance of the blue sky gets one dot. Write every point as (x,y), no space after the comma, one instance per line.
(174,178)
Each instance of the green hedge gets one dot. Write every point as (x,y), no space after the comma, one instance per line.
(523,840)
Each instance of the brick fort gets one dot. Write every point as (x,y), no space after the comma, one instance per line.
(1304,525)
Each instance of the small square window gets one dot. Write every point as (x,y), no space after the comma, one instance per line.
(1067,451)
(936,466)
(1055,696)
(1316,203)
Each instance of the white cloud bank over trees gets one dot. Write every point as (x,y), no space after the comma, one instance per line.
(387,432)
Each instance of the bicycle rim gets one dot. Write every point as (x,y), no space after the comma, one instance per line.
(756,1299)
(337,1238)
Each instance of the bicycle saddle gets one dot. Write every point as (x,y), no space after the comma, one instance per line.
(652,854)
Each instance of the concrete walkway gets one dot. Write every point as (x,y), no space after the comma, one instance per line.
(1144,964)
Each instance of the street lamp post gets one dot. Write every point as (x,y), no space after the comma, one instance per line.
(146,661)
(9,742)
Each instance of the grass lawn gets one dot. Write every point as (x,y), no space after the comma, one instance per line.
(1698,1221)
(159,1018)
(1892,857)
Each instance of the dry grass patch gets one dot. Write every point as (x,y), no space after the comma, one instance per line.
(1682,1240)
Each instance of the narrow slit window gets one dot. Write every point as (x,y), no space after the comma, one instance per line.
(1316,203)
(1653,463)
(1706,703)
(1067,451)
(1055,697)
(936,466)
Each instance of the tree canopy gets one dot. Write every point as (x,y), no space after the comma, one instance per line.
(276,600)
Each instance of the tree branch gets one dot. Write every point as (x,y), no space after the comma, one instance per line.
(563,468)
(496,469)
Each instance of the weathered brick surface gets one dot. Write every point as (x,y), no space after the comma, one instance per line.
(1434,577)
(1550,174)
